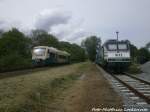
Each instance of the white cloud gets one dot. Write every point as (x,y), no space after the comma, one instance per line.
(72,31)
(61,24)
(7,25)
(102,17)
(69,33)
(77,35)
(3,24)
(55,21)
(49,18)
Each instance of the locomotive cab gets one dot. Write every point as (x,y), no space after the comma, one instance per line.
(115,55)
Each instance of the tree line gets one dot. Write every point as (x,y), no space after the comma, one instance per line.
(16,48)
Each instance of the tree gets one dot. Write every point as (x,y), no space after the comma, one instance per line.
(90,45)
(77,53)
(42,38)
(148,46)
(134,52)
(15,50)
(143,55)
(1,32)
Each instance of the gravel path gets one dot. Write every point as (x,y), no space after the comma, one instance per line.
(92,93)
(146,68)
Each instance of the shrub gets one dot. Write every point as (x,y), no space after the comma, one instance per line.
(134,68)
(14,51)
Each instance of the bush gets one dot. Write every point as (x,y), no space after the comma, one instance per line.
(77,53)
(143,55)
(14,62)
(134,68)
(14,51)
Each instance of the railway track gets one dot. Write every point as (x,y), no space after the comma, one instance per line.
(134,91)
(137,89)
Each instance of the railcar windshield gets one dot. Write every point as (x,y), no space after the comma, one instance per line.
(39,51)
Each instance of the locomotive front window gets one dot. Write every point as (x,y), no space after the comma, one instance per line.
(39,51)
(122,46)
(112,46)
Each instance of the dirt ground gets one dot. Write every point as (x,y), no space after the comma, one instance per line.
(91,91)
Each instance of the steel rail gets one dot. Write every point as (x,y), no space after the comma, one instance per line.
(138,93)
(141,80)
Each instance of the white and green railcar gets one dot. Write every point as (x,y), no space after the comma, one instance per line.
(44,55)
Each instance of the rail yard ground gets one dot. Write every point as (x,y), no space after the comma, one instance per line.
(70,88)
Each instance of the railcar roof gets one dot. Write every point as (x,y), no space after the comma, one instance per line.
(54,50)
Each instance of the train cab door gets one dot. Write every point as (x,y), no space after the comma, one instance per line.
(48,53)
(51,57)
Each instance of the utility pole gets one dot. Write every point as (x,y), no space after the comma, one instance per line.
(117,41)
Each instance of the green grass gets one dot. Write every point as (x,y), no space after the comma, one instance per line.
(37,91)
(41,99)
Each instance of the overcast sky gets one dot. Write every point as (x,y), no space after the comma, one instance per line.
(73,20)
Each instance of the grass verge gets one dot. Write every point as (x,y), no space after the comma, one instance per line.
(39,90)
(43,98)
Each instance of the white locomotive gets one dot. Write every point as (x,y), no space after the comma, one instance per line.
(114,54)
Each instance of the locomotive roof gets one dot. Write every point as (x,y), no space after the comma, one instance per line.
(54,50)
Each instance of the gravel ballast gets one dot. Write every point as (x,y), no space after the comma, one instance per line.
(126,95)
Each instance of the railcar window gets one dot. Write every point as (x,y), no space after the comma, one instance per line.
(52,55)
(39,51)
(62,57)
(112,47)
(122,46)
